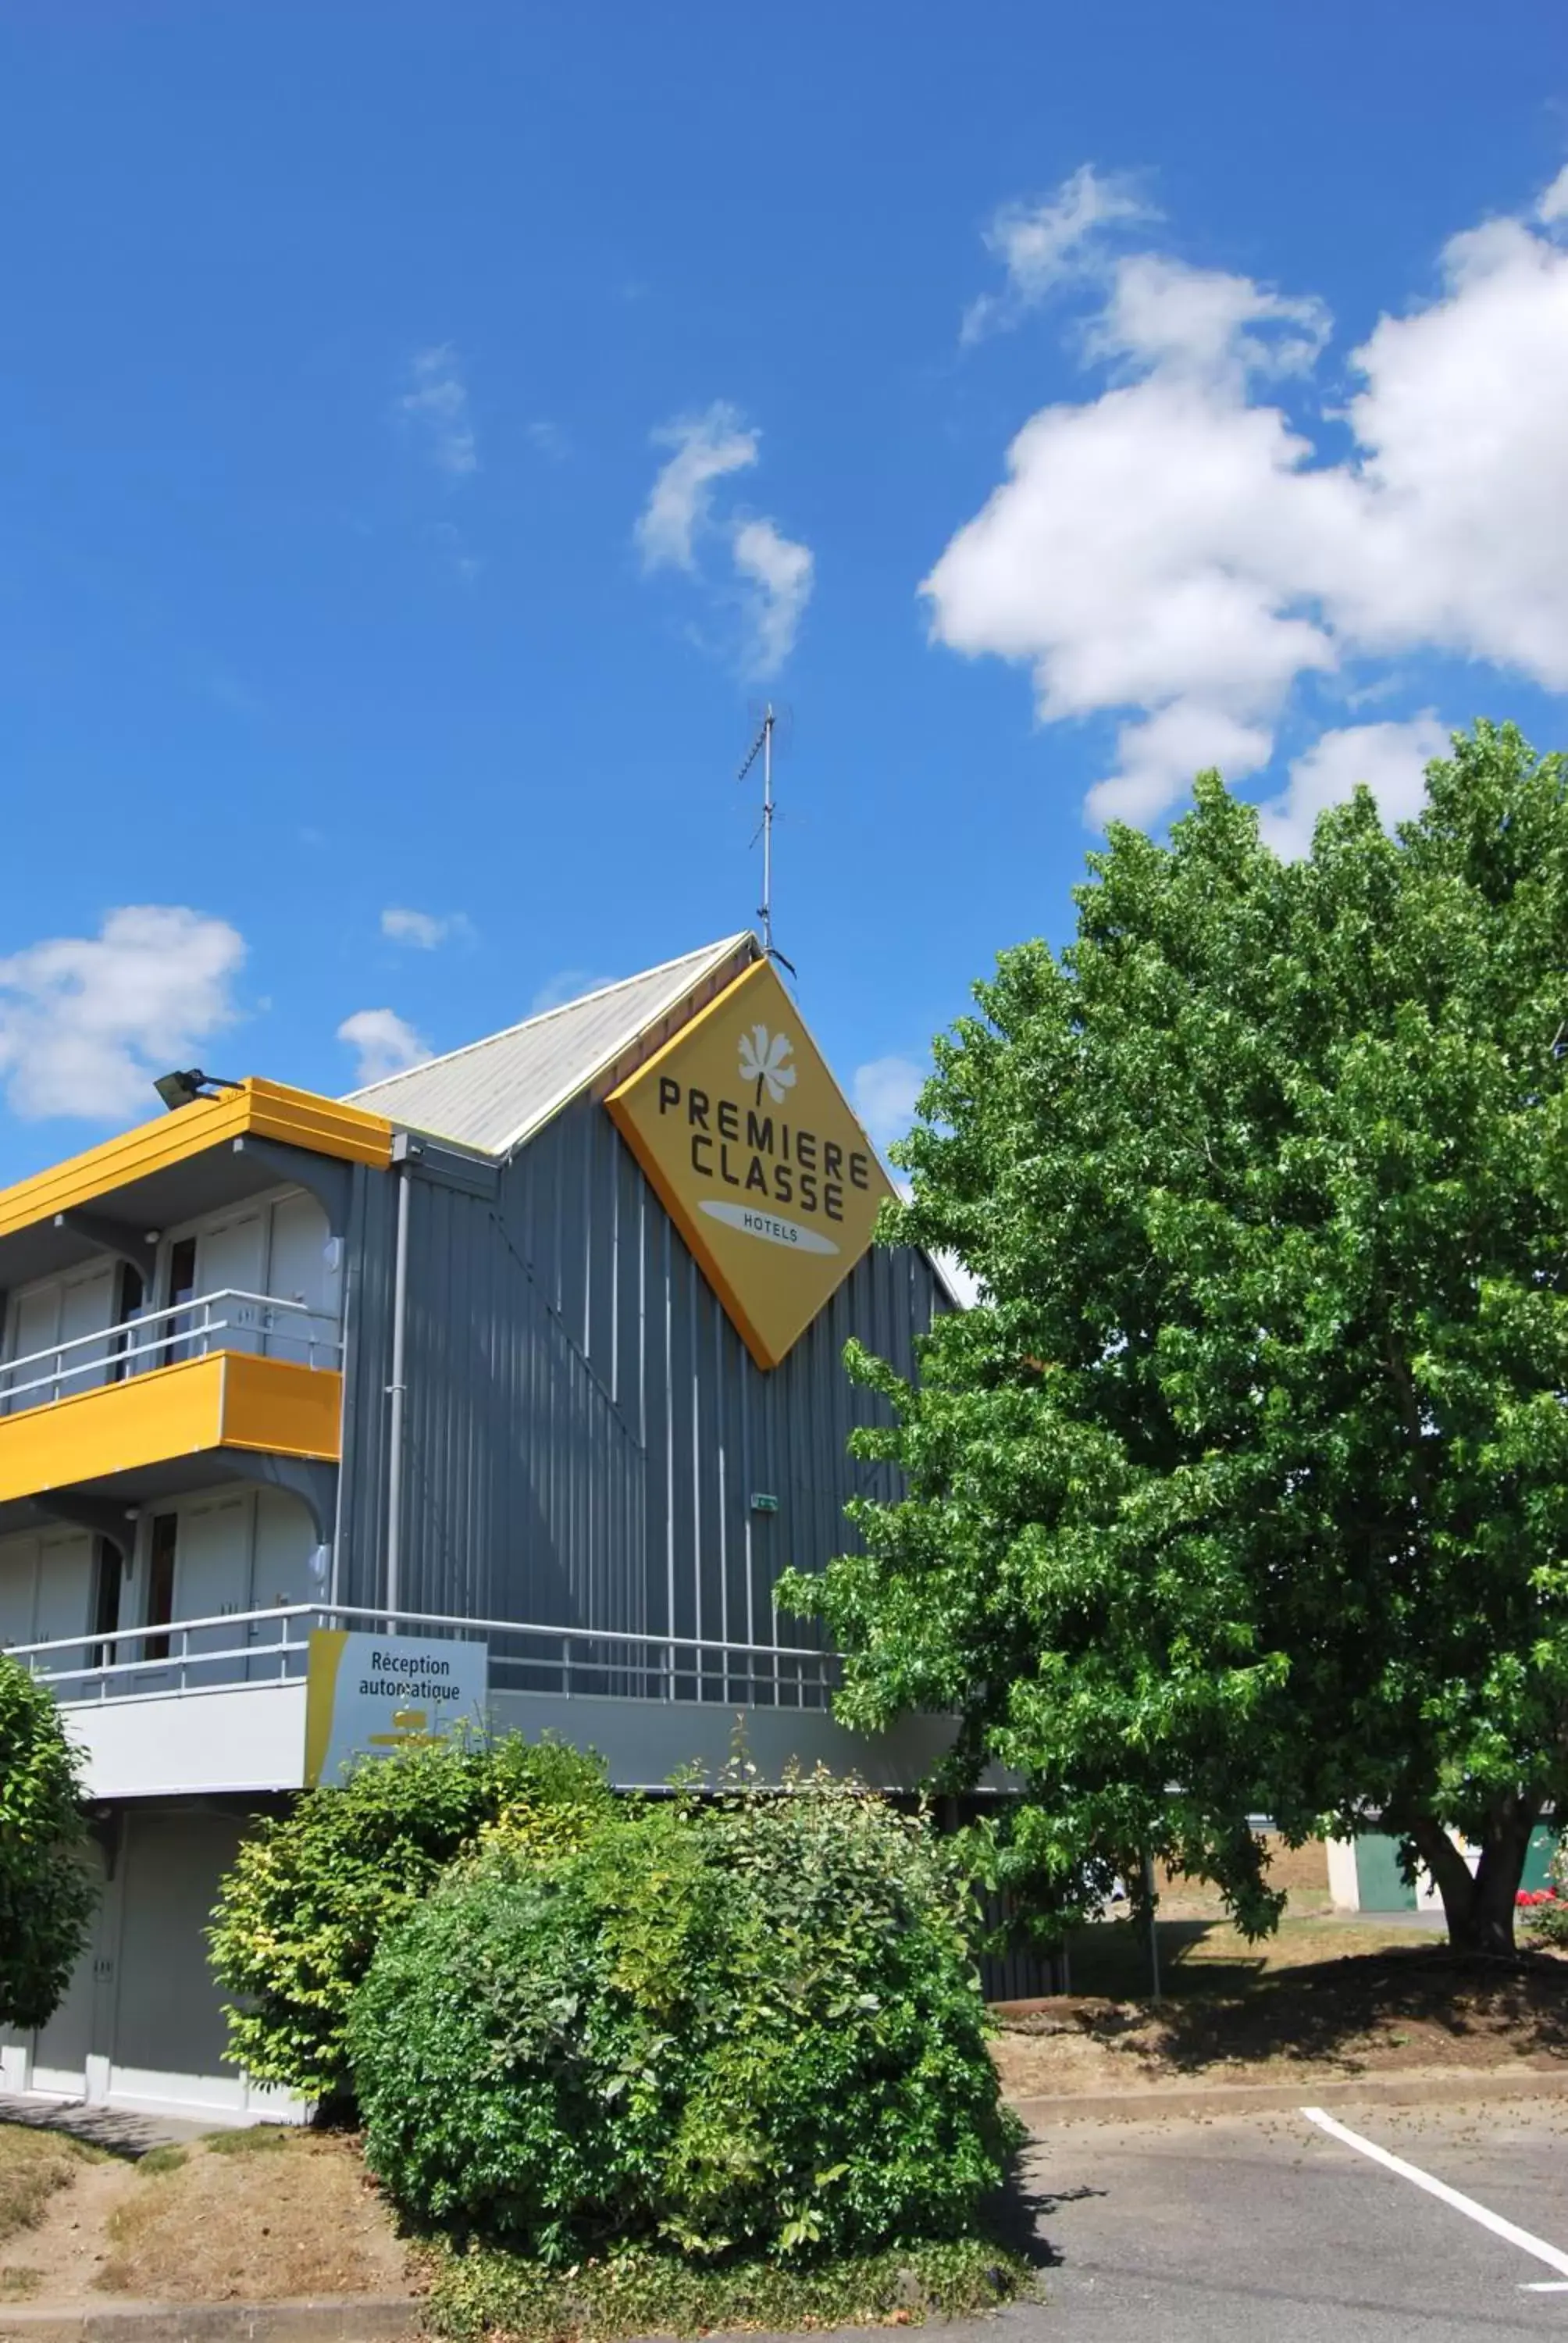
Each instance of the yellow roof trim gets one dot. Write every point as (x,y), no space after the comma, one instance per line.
(266,1110)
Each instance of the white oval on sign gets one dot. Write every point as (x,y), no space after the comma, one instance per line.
(770,1226)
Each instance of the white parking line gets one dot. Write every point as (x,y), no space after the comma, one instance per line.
(1553,2257)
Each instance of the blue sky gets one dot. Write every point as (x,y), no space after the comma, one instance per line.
(427,433)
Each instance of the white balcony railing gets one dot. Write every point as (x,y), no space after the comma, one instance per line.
(272,1646)
(224,1321)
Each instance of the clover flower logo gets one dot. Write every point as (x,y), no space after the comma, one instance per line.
(764,1061)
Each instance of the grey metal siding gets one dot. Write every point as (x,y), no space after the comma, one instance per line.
(368,1363)
(586,1428)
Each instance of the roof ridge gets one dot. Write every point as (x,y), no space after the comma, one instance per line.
(708,954)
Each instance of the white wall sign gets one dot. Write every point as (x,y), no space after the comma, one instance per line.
(367,1696)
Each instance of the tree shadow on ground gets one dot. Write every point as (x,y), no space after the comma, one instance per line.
(1017,2214)
(1360,2012)
(1115,1958)
(114,2129)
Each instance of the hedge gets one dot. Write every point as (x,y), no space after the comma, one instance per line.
(754,2027)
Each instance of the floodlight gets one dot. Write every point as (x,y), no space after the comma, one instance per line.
(183,1088)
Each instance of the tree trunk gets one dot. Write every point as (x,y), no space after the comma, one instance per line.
(1480,1907)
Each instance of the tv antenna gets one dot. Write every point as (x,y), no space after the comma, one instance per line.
(763,747)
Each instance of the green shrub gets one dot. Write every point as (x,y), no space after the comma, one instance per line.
(300,1914)
(641,2291)
(754,2027)
(46,1889)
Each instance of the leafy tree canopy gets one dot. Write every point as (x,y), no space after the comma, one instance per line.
(1244,1490)
(45,1886)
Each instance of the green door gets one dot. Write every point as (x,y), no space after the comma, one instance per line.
(1538,1862)
(1378,1883)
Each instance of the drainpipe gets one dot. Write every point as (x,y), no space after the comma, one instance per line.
(397,1389)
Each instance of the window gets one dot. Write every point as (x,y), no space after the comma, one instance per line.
(182,1286)
(129,1296)
(106,1571)
(161,1583)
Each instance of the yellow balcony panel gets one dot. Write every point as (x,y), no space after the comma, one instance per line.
(230,1400)
(134,1159)
(276,1407)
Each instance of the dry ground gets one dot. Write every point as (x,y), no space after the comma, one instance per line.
(241,2216)
(1404,2008)
(32,2166)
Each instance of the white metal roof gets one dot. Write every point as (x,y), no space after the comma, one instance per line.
(494,1094)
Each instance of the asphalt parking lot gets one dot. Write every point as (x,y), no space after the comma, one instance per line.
(1267,2226)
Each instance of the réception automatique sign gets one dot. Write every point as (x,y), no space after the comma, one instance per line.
(367,1696)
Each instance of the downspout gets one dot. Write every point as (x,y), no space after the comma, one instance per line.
(402,1148)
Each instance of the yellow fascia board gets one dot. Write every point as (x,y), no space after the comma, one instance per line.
(230,1400)
(266,1109)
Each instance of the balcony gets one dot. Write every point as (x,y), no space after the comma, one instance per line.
(218,1704)
(226,1370)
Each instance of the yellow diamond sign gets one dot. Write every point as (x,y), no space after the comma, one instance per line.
(757,1158)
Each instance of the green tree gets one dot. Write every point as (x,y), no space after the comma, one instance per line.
(1245,1488)
(47,1890)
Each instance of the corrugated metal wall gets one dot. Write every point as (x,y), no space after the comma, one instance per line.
(587,1430)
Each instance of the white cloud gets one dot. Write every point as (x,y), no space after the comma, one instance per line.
(435,407)
(1553,204)
(384,1042)
(423,929)
(1176,554)
(566,984)
(774,571)
(1040,244)
(883,1092)
(1159,756)
(779,572)
(1160,312)
(88,1023)
(1390,759)
(706,449)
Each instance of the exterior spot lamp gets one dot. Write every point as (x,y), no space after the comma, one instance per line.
(182,1089)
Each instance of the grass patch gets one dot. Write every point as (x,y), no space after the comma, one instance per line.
(167,2158)
(32,2164)
(254,2139)
(1209,1955)
(642,2292)
(15,2285)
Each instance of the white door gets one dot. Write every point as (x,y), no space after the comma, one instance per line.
(60,2048)
(18,1588)
(285,1547)
(87,1307)
(232,1258)
(65,1604)
(304,1269)
(35,1327)
(169,2029)
(212,1580)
